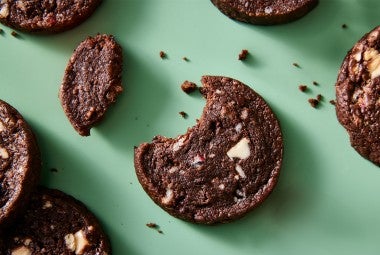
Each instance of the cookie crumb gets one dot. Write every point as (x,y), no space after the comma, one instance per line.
(54,170)
(243,55)
(152,225)
(188,87)
(183,114)
(344,26)
(302,88)
(296,65)
(162,54)
(313,102)
(319,97)
(185,59)
(14,34)
(315,83)
(332,102)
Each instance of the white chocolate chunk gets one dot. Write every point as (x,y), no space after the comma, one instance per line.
(168,196)
(22,250)
(221,186)
(373,58)
(4,9)
(80,242)
(47,204)
(240,171)
(241,150)
(70,242)
(2,128)
(4,153)
(178,144)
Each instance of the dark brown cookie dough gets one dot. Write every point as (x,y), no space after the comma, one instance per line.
(224,166)
(20,163)
(56,223)
(264,12)
(92,82)
(357,95)
(47,16)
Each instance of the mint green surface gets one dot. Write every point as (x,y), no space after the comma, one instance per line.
(327,198)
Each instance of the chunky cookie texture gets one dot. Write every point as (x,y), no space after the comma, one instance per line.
(20,163)
(56,223)
(48,16)
(224,166)
(264,12)
(357,95)
(92,82)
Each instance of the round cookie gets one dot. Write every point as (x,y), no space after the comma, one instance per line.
(357,95)
(92,82)
(56,223)
(264,12)
(47,16)
(224,166)
(20,163)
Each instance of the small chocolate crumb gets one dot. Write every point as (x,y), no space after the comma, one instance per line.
(14,34)
(296,65)
(185,59)
(54,170)
(160,231)
(183,114)
(152,225)
(243,55)
(315,83)
(302,87)
(319,97)
(313,102)
(188,87)
(344,26)
(162,55)
(332,102)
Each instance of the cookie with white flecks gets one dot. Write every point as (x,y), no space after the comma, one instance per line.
(56,223)
(264,12)
(357,95)
(20,163)
(224,166)
(45,16)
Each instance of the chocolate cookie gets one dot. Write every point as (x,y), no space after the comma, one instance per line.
(264,12)
(92,82)
(224,166)
(20,163)
(56,223)
(49,16)
(357,95)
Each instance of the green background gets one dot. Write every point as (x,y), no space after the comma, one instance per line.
(327,198)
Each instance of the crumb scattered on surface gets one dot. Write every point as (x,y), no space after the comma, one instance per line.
(302,87)
(54,170)
(188,87)
(153,225)
(319,97)
(243,54)
(344,26)
(332,102)
(296,65)
(162,55)
(14,34)
(313,102)
(185,59)
(315,83)
(183,114)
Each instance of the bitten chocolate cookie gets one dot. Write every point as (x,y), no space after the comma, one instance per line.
(56,223)
(48,16)
(357,95)
(20,163)
(92,82)
(224,166)
(264,12)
